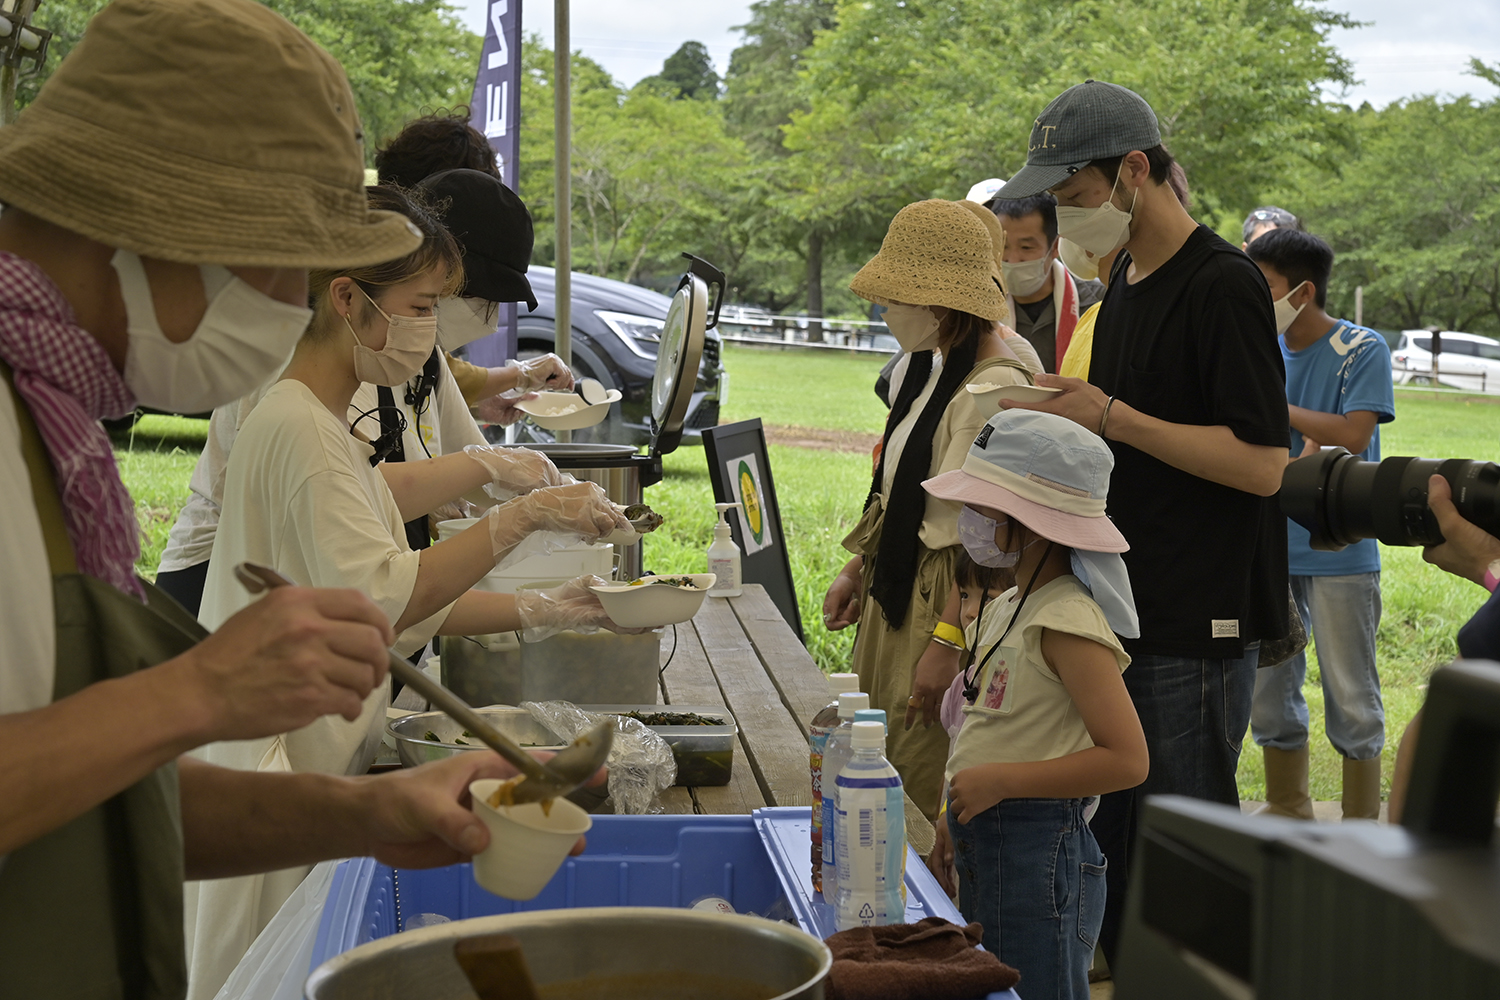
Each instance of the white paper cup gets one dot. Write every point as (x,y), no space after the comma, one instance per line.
(527,847)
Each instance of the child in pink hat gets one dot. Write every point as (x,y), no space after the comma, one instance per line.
(1047,722)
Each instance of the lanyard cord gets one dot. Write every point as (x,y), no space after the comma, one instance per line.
(971,683)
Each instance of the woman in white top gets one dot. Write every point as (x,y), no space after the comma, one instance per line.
(302,496)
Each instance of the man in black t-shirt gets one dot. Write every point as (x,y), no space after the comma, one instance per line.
(1187,386)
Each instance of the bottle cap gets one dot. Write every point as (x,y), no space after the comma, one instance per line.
(868,736)
(839,683)
(851,702)
(870,715)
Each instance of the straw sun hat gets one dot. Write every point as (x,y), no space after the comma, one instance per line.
(205,132)
(939,253)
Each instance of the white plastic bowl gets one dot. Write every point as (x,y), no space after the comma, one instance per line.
(987,397)
(652,605)
(566,411)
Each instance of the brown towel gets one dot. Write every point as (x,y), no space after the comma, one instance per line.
(929,960)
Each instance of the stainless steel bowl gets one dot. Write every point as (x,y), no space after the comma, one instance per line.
(620,953)
(414,749)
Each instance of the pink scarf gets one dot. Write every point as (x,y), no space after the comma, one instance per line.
(68,384)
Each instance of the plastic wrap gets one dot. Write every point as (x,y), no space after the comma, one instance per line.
(640,762)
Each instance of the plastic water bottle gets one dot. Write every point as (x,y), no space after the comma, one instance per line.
(840,760)
(835,755)
(823,725)
(872,834)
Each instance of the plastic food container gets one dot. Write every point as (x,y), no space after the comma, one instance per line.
(704,754)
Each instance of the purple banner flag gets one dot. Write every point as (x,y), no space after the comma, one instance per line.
(495,110)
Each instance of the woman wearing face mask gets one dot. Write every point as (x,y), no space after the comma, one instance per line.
(938,273)
(426,416)
(302,496)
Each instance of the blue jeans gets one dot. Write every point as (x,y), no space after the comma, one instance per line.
(1342,613)
(1030,871)
(1194,713)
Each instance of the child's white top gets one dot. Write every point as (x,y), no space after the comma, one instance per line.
(1023,712)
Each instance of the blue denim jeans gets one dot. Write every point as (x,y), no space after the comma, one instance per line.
(1030,871)
(1194,713)
(1342,613)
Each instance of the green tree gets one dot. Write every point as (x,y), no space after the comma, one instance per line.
(688,72)
(651,174)
(1414,214)
(916,99)
(401,56)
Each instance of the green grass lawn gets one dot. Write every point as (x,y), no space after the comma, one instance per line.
(821,493)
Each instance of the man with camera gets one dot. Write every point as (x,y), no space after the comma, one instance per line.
(1338,389)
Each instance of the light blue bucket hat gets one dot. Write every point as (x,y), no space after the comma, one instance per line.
(1051,475)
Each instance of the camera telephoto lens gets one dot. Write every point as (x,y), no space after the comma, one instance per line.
(1341,499)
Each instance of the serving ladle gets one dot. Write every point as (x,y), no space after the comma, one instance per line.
(570,768)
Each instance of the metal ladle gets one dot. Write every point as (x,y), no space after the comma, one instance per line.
(567,770)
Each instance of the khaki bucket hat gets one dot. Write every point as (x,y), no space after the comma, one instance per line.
(205,132)
(939,253)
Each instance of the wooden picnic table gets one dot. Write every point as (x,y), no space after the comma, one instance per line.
(739,653)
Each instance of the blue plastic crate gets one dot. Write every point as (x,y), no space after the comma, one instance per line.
(631,861)
(759,863)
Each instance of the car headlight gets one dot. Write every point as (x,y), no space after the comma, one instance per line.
(640,334)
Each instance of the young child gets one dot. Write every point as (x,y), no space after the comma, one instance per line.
(1047,721)
(1338,391)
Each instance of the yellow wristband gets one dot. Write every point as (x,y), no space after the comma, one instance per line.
(952,633)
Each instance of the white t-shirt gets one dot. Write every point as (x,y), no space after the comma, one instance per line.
(1024,713)
(446,427)
(28,653)
(301,496)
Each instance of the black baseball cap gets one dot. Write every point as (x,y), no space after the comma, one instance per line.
(491,223)
(1092,121)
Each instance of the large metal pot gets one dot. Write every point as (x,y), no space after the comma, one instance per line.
(409,734)
(621,953)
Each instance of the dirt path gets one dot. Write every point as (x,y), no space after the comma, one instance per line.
(821,439)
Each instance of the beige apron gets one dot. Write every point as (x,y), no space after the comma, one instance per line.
(93,909)
(886,658)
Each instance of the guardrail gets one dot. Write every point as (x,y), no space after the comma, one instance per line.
(852,335)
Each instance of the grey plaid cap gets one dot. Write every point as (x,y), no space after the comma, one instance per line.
(1092,121)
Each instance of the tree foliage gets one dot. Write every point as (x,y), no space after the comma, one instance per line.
(688,72)
(1413,215)
(401,56)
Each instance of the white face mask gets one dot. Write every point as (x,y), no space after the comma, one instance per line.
(1101,230)
(914,327)
(463,321)
(408,345)
(1028,276)
(1077,261)
(1286,313)
(243,338)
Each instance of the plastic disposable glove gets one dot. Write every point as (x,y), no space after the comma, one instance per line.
(535,372)
(501,408)
(580,509)
(571,606)
(515,470)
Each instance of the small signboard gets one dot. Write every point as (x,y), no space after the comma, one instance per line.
(741,473)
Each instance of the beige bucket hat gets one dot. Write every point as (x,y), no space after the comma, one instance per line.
(205,132)
(939,253)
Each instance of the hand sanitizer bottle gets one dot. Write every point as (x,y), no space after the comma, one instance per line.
(724,557)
